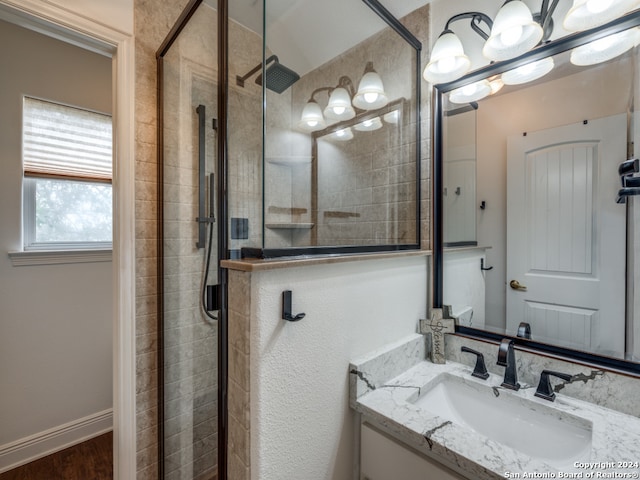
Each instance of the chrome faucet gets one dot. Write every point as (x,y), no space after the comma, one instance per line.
(507,358)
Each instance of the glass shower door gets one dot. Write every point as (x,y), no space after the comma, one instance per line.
(189,389)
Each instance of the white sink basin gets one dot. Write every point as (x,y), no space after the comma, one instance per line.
(537,430)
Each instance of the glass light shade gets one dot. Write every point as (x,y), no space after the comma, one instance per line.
(369,125)
(343,135)
(586,14)
(370,92)
(339,106)
(528,72)
(448,61)
(514,32)
(471,93)
(392,117)
(311,119)
(496,84)
(605,48)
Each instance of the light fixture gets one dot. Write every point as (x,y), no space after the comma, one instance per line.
(448,61)
(471,93)
(369,125)
(343,135)
(311,119)
(586,14)
(371,94)
(605,48)
(496,84)
(514,32)
(528,72)
(342,100)
(392,117)
(339,106)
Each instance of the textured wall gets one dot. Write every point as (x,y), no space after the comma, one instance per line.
(153,20)
(301,423)
(190,337)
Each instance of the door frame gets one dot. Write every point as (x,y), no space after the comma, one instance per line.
(66,25)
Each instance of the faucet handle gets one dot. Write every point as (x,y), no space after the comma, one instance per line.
(507,359)
(544,389)
(480,370)
(504,351)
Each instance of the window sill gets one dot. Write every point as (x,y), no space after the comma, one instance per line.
(58,257)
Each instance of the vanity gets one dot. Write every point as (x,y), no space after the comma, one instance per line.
(439,418)
(535,251)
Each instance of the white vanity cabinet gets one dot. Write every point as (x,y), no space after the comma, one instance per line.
(383,458)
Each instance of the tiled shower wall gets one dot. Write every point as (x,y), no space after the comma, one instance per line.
(153,20)
(190,338)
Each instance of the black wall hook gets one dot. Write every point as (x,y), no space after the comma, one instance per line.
(286,308)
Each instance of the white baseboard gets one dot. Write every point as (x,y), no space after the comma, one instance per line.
(41,444)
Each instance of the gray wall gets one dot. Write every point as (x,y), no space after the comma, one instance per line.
(55,320)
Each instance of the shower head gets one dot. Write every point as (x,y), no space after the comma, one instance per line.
(279,77)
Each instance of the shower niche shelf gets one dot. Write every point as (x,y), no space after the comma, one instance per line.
(290,226)
(290,161)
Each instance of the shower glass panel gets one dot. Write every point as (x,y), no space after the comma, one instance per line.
(189,253)
(341,144)
(245,130)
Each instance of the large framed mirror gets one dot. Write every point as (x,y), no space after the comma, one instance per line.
(341,143)
(544,145)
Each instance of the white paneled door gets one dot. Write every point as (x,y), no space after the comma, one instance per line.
(566,235)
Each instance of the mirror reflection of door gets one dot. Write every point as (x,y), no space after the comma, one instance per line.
(566,235)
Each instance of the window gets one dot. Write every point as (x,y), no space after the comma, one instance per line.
(67,160)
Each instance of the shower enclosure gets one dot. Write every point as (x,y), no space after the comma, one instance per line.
(244,171)
(187,70)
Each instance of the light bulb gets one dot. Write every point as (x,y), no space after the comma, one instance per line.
(526,69)
(312,123)
(511,35)
(496,84)
(367,123)
(470,93)
(470,89)
(598,6)
(370,97)
(602,44)
(446,64)
(340,133)
(339,110)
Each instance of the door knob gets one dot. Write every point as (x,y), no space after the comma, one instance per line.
(515,284)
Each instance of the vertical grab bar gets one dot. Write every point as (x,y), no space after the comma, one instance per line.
(201,219)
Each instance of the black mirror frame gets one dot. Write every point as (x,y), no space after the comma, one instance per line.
(549,49)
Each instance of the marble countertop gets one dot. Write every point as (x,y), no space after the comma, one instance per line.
(389,403)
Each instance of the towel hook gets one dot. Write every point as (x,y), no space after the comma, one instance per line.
(482,267)
(286,308)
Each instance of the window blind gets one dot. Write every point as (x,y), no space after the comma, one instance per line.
(66,142)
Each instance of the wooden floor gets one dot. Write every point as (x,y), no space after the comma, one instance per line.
(90,460)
